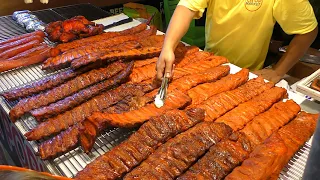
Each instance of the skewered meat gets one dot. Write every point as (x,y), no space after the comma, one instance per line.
(248,110)
(101,37)
(64,60)
(204,91)
(141,144)
(44,84)
(221,103)
(133,54)
(174,100)
(267,160)
(147,72)
(175,156)
(262,162)
(79,113)
(80,82)
(16,38)
(222,158)
(71,29)
(83,95)
(37,57)
(266,123)
(185,83)
(59,144)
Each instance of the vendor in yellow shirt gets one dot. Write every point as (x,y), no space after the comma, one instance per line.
(241,30)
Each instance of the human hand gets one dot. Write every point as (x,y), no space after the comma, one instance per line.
(269,74)
(165,63)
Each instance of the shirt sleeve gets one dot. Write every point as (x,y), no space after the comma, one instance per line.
(195,5)
(295,16)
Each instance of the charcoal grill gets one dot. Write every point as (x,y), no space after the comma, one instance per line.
(74,161)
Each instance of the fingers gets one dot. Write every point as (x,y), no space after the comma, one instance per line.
(168,69)
(160,68)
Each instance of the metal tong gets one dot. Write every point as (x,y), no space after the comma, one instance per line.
(162,93)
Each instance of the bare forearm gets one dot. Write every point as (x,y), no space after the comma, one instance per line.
(178,27)
(297,48)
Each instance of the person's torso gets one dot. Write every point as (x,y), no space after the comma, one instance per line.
(240,30)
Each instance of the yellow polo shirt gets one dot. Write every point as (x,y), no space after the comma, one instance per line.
(241,29)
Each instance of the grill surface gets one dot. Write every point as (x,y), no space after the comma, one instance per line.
(71,163)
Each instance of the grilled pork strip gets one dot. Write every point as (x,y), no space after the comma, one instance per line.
(133,54)
(153,133)
(111,45)
(221,103)
(102,37)
(176,155)
(203,92)
(267,160)
(68,88)
(63,121)
(81,96)
(174,100)
(223,157)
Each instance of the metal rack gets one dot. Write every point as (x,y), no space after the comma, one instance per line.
(74,161)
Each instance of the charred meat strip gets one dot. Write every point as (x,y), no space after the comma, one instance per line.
(177,155)
(262,162)
(222,158)
(133,54)
(141,63)
(204,91)
(60,144)
(66,89)
(174,100)
(63,121)
(238,117)
(102,37)
(268,122)
(267,160)
(116,44)
(221,103)
(39,86)
(81,96)
(130,153)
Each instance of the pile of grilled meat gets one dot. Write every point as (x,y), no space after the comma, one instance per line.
(214,124)
(71,29)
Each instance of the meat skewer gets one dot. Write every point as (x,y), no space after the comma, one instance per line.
(83,95)
(141,144)
(64,90)
(79,113)
(221,103)
(177,154)
(267,160)
(133,54)
(238,146)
